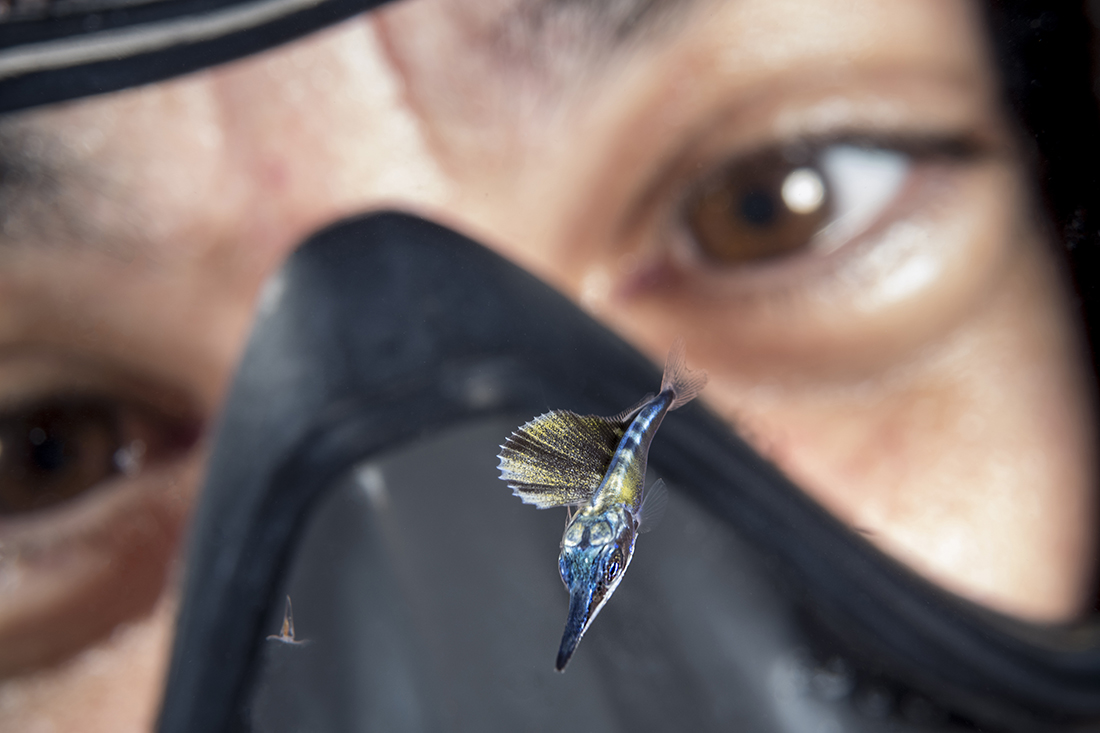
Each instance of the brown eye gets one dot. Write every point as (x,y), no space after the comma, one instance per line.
(764,207)
(773,204)
(55,451)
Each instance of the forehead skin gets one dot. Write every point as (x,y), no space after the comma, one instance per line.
(143,224)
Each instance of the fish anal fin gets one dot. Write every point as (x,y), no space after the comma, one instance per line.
(559,458)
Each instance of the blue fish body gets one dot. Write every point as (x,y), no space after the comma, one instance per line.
(596,466)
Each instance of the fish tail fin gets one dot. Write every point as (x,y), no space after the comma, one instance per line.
(686,384)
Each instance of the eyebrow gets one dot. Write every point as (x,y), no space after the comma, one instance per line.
(29,186)
(536,30)
(614,20)
(43,190)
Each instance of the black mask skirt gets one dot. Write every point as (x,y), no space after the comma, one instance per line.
(354,470)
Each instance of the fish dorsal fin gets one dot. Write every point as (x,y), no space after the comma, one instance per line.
(560,458)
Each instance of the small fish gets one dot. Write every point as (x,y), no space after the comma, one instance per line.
(594,466)
(287,634)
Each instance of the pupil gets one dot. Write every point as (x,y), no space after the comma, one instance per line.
(49,454)
(758,208)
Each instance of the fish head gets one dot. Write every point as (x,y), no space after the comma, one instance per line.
(595,551)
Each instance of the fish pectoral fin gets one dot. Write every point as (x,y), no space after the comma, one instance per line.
(560,458)
(654,504)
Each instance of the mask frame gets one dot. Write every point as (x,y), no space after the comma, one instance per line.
(376,332)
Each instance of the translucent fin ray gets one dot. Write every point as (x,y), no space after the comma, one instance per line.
(630,413)
(686,384)
(560,458)
(654,504)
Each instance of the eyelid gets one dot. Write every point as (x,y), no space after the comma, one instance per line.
(950,147)
(31,373)
(957,146)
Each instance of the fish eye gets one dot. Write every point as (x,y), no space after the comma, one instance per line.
(613,567)
(778,203)
(56,450)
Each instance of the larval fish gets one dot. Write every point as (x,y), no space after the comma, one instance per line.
(595,466)
(286,635)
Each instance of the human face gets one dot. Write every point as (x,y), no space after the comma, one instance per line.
(917,372)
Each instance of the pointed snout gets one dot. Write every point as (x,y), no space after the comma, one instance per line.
(580,613)
(596,549)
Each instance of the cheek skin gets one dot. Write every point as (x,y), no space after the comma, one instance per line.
(56,597)
(973,465)
(110,688)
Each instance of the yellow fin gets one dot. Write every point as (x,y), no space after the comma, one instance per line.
(560,458)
